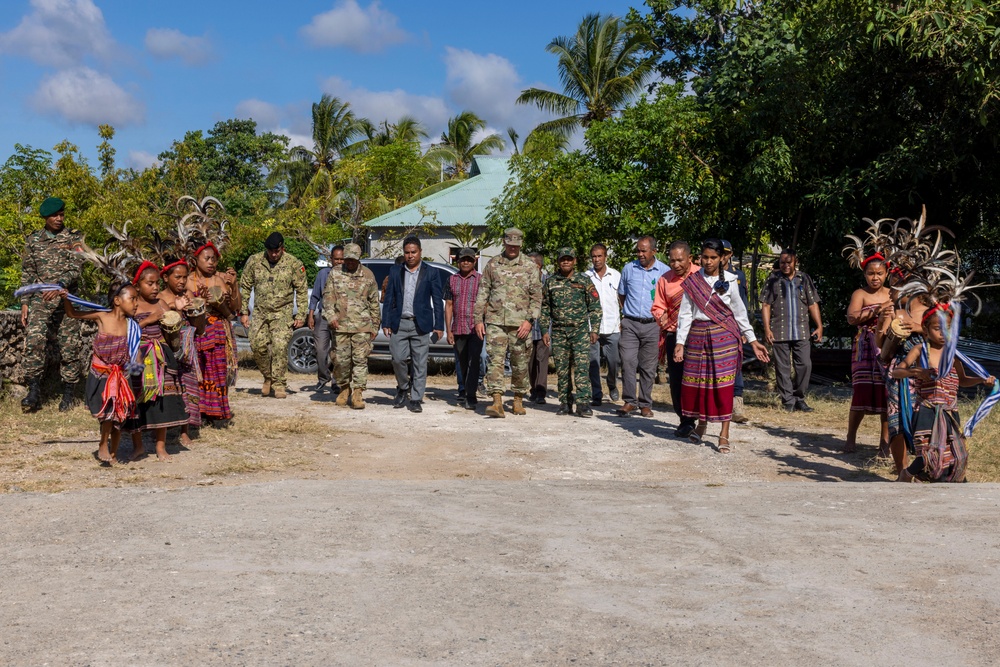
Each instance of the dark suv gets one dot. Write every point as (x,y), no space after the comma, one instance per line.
(302,349)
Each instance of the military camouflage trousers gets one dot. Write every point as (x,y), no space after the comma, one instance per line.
(571,352)
(350,365)
(498,341)
(269,337)
(45,318)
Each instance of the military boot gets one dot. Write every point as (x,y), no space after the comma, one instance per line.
(33,401)
(342,397)
(738,416)
(518,407)
(496,410)
(68,397)
(265,388)
(357,400)
(279,392)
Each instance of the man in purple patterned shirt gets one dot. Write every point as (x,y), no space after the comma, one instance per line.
(460,294)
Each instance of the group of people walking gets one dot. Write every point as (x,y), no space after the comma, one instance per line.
(164,355)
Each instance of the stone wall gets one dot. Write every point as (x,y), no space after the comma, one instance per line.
(12,348)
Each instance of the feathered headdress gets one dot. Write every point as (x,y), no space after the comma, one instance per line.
(202,225)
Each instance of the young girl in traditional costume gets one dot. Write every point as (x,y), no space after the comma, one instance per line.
(161,403)
(938,440)
(865,312)
(174,297)
(711,327)
(216,346)
(108,392)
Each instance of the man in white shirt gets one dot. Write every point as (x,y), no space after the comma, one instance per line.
(606,281)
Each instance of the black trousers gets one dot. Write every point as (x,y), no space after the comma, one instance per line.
(789,355)
(469,348)
(675,374)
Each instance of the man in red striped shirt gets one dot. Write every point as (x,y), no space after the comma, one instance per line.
(460,294)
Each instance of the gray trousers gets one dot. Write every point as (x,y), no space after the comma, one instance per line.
(788,354)
(321,334)
(407,345)
(639,350)
(606,347)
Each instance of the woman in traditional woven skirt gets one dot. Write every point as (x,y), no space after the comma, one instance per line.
(175,278)
(216,346)
(711,327)
(867,379)
(159,392)
(938,441)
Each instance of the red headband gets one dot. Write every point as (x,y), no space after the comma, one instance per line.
(877,257)
(173,265)
(207,245)
(146,264)
(938,307)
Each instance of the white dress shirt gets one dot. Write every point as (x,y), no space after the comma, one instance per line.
(691,311)
(607,289)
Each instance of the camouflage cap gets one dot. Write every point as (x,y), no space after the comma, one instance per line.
(51,206)
(513,236)
(566,252)
(466,252)
(352,251)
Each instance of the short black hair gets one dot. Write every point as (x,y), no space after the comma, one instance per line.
(400,259)
(339,246)
(787,251)
(412,240)
(680,245)
(116,289)
(601,246)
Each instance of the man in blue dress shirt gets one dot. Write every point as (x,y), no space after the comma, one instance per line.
(640,337)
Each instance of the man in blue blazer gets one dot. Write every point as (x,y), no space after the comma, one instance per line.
(411,311)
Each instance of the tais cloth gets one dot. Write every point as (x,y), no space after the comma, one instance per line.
(462,292)
(713,354)
(161,401)
(900,393)
(870,395)
(108,393)
(937,433)
(215,359)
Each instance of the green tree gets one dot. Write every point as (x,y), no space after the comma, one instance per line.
(461,142)
(603,67)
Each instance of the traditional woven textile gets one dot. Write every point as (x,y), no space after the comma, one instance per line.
(870,395)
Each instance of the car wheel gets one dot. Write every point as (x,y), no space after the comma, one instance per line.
(302,352)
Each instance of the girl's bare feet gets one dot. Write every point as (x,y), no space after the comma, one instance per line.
(103,456)
(904,476)
(186,440)
(161,453)
(850,447)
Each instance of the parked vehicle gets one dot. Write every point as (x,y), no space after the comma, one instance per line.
(302,348)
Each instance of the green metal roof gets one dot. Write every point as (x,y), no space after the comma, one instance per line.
(466,202)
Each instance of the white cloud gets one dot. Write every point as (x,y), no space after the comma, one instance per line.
(265,113)
(295,139)
(81,95)
(489,85)
(379,105)
(166,43)
(348,25)
(140,160)
(61,33)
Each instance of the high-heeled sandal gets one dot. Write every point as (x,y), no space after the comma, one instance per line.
(698,433)
(724,446)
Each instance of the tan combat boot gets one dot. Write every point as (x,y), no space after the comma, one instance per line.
(342,397)
(738,416)
(279,392)
(496,410)
(357,400)
(518,407)
(265,388)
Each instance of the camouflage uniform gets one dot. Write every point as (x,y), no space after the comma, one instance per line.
(510,292)
(271,325)
(50,258)
(573,307)
(350,305)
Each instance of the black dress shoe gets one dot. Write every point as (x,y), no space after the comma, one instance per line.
(684,430)
(614,395)
(802,406)
(788,408)
(400,400)
(415,406)
(596,402)
(563,410)
(461,402)
(471,405)
(320,386)
(539,399)
(584,411)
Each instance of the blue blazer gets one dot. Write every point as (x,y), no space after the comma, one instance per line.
(428,300)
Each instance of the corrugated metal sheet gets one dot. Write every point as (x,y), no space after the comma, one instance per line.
(464,203)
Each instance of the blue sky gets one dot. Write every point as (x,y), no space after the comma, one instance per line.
(156,69)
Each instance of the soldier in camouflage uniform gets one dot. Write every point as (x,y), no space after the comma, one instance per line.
(49,257)
(351,306)
(509,302)
(274,276)
(570,303)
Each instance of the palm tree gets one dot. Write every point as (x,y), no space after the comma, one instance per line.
(458,145)
(309,171)
(407,128)
(602,68)
(533,141)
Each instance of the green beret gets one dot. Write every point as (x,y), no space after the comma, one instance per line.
(51,206)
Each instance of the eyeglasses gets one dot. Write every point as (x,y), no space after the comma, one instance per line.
(721,286)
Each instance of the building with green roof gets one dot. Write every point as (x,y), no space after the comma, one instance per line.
(466,202)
